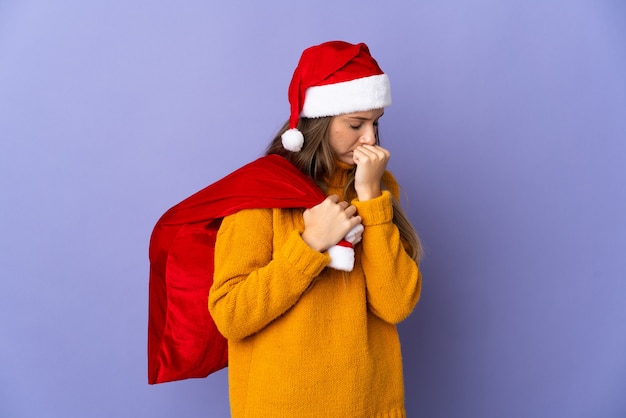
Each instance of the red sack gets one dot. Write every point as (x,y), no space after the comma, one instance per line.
(183,341)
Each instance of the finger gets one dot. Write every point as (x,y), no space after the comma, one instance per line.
(361,155)
(354,221)
(366,152)
(376,151)
(343,204)
(333,198)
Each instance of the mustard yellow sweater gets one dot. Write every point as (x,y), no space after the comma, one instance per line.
(306,341)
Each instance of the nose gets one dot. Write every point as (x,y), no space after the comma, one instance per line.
(369,136)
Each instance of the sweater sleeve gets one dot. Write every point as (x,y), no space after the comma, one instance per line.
(254,283)
(392,277)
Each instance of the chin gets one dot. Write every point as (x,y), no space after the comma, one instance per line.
(347,158)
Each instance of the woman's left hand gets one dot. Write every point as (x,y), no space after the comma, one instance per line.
(371,162)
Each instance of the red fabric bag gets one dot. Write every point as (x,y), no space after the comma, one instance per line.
(183,341)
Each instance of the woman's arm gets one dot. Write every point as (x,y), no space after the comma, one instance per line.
(253,285)
(392,277)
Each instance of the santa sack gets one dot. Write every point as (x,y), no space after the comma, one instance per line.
(183,340)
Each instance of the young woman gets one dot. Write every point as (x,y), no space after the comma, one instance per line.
(306,339)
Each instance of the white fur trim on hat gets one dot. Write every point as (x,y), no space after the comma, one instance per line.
(359,95)
(292,140)
(354,235)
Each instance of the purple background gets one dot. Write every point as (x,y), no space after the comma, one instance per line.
(508,133)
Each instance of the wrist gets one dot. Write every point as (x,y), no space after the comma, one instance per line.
(312,242)
(368,193)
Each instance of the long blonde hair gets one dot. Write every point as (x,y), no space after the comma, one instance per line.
(316,159)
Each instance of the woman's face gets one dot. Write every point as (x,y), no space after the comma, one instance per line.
(351,130)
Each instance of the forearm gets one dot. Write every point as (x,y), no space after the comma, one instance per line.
(253,287)
(392,277)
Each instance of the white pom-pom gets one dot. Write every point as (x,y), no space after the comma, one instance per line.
(292,140)
(341,258)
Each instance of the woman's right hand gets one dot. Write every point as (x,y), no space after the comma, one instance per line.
(327,223)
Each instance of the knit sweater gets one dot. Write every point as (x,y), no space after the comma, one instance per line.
(305,340)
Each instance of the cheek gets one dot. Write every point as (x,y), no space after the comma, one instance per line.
(342,141)
(335,140)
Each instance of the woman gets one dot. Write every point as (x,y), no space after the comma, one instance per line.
(305,339)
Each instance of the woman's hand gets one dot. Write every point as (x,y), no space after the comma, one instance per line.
(371,162)
(327,223)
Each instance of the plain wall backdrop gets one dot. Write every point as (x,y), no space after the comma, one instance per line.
(507,133)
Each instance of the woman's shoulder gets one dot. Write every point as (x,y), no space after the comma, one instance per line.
(259,218)
(247,218)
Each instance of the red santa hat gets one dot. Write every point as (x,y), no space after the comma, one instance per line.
(331,79)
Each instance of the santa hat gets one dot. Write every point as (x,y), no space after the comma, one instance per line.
(331,79)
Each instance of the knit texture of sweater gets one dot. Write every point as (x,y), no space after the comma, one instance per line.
(305,340)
